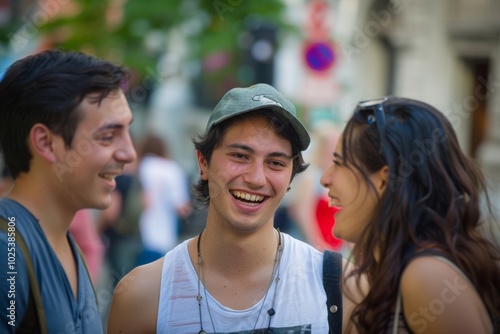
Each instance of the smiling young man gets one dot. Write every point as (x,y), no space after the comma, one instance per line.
(240,275)
(64,133)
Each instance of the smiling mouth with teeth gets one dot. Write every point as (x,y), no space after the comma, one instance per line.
(333,203)
(107,176)
(247,198)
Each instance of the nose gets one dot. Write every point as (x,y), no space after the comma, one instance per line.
(326,178)
(126,153)
(255,175)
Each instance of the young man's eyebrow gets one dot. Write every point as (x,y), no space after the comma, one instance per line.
(280,155)
(251,150)
(242,147)
(110,126)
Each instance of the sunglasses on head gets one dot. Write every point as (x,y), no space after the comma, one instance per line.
(378,115)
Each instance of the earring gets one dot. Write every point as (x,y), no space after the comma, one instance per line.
(201,172)
(288,189)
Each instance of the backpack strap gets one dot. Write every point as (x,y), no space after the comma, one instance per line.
(332,274)
(35,313)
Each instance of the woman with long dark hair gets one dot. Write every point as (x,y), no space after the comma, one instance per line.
(410,202)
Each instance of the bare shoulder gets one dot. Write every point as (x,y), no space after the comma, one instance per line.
(134,307)
(430,275)
(439,299)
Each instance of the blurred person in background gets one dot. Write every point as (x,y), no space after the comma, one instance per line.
(64,133)
(165,198)
(86,234)
(309,203)
(409,200)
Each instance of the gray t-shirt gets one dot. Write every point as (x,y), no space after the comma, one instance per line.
(64,313)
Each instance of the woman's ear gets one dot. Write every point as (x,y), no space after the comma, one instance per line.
(381,179)
(41,141)
(202,165)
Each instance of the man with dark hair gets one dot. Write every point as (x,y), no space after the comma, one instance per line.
(240,275)
(64,133)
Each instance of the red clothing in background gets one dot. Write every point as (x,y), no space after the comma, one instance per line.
(326,220)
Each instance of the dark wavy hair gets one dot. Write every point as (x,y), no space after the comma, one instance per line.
(47,88)
(432,201)
(208,142)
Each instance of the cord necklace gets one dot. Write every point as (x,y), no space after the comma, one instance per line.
(275,276)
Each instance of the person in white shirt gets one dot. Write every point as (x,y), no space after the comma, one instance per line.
(166,199)
(240,275)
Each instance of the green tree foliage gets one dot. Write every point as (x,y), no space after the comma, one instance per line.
(121,29)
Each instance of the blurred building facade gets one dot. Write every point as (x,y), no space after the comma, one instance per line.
(446,53)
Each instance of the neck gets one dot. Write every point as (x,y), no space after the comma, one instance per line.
(275,276)
(239,255)
(38,199)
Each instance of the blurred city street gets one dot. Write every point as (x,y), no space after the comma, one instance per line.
(324,55)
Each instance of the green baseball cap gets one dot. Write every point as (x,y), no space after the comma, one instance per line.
(239,100)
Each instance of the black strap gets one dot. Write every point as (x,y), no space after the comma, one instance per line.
(332,276)
(29,322)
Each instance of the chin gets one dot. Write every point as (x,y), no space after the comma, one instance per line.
(102,204)
(337,233)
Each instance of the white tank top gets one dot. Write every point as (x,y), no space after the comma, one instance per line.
(300,303)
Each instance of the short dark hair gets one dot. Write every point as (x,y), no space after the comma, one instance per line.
(47,88)
(208,142)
